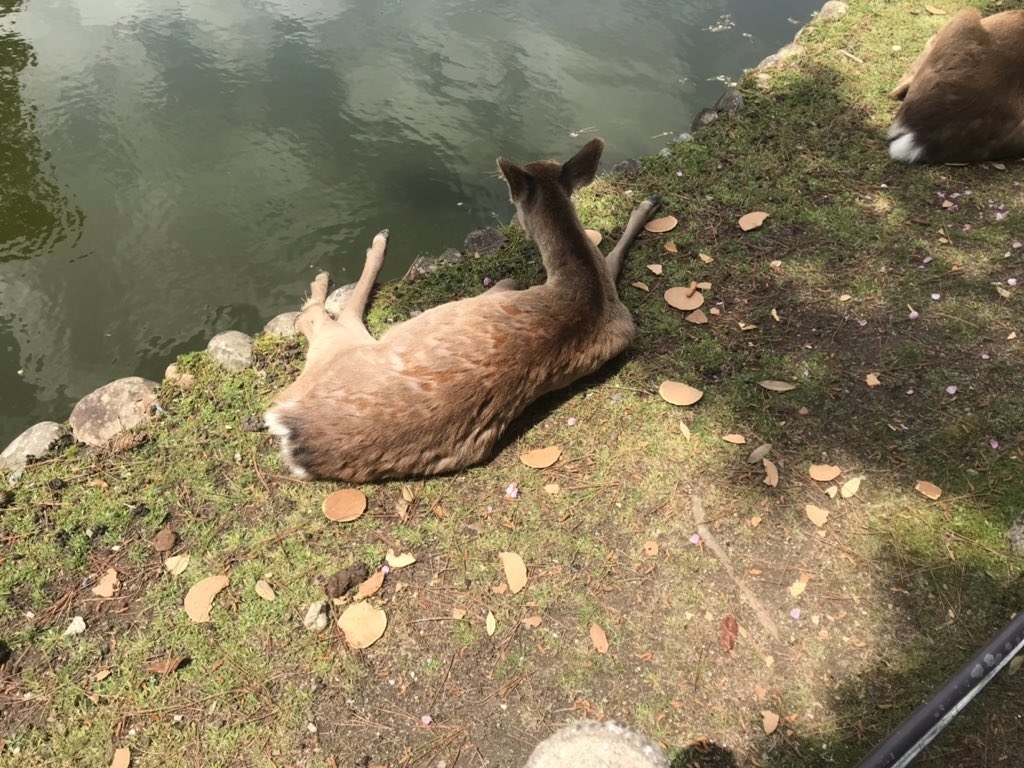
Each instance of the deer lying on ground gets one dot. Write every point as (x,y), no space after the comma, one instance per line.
(435,393)
(963,98)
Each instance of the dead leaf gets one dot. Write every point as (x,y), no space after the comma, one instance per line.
(122,758)
(769,721)
(831,491)
(362,624)
(370,586)
(176,564)
(515,570)
(345,505)
(850,487)
(199,600)
(107,586)
(458,613)
(641,286)
(671,247)
(928,490)
(264,590)
(816,514)
(683,298)
(650,548)
(797,587)
(705,258)
(685,430)
(727,632)
(754,522)
(167,666)
(775,315)
(824,472)
(777,386)
(752,220)
(715,311)
(934,11)
(845,297)
(759,453)
(771,473)
(552,488)
(532,621)
(872,380)
(735,439)
(599,639)
(696,317)
(655,268)
(491,624)
(399,561)
(677,393)
(1015,665)
(594,236)
(541,458)
(664,224)
(998,166)
(747,326)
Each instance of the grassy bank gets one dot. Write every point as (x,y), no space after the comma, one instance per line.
(862,267)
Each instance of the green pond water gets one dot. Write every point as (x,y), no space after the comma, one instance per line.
(173,168)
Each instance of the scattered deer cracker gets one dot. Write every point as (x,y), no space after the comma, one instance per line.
(399,561)
(491,624)
(458,613)
(671,247)
(704,285)
(771,473)
(650,548)
(775,315)
(816,514)
(872,380)
(362,624)
(199,600)
(264,590)
(696,317)
(715,311)
(599,639)
(934,11)
(824,472)
(655,268)
(677,393)
(371,586)
(680,297)
(532,621)
(594,236)
(705,258)
(108,585)
(345,505)
(541,458)
(769,721)
(176,564)
(747,326)
(759,453)
(515,570)
(552,488)
(928,490)
(122,758)
(752,220)
(850,487)
(735,439)
(777,386)
(664,224)
(641,286)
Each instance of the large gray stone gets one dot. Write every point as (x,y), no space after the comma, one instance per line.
(832,10)
(729,102)
(232,350)
(338,298)
(282,325)
(34,441)
(597,745)
(112,409)
(484,240)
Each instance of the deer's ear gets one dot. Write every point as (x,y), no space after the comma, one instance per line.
(582,168)
(519,181)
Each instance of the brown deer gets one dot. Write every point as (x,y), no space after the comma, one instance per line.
(963,98)
(436,392)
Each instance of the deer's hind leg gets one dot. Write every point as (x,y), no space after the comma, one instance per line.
(636,222)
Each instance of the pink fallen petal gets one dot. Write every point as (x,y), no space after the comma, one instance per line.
(512,492)
(795,613)
(571,421)
(993,444)
(951,389)
(695,539)
(936,296)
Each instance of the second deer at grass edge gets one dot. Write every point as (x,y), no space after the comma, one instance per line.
(436,392)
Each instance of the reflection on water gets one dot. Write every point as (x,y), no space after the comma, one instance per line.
(174,168)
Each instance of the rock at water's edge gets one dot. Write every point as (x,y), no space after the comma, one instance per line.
(338,298)
(282,325)
(232,350)
(34,441)
(112,409)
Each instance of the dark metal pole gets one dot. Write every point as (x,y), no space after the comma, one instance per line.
(930,719)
